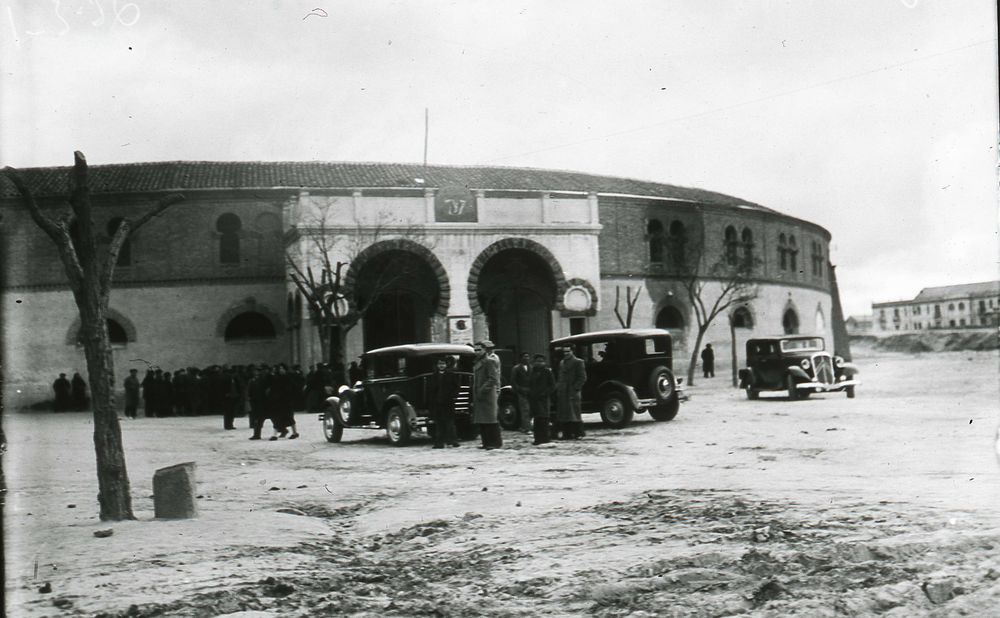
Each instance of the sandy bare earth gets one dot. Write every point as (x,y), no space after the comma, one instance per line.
(882,505)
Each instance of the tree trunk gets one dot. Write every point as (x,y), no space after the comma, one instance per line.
(732,354)
(694,353)
(114,492)
(338,353)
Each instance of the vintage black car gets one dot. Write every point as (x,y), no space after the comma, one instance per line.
(629,371)
(796,364)
(392,394)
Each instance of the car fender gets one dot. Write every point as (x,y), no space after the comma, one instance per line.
(746,377)
(507,392)
(409,410)
(849,369)
(618,385)
(333,402)
(798,372)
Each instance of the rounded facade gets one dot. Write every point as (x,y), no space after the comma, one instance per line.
(437,253)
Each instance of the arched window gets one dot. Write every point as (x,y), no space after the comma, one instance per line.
(116,334)
(793,254)
(742,318)
(125,254)
(961,306)
(228,226)
(747,238)
(817,259)
(782,252)
(249,325)
(654,236)
(678,244)
(790,322)
(732,246)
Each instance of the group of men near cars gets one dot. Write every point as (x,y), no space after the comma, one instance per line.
(532,382)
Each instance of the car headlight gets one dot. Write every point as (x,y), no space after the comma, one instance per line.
(839,362)
(805,363)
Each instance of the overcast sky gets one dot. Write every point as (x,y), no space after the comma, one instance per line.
(876,119)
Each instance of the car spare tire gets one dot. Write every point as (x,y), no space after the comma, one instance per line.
(662,384)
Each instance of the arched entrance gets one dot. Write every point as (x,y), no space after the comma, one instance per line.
(517,292)
(399,293)
(671,318)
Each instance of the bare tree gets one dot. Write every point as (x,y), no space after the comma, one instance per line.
(712,289)
(335,306)
(626,322)
(90,273)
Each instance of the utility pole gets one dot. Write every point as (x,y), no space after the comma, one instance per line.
(426,127)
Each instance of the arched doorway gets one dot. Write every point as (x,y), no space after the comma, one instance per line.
(398,292)
(517,292)
(790,322)
(671,318)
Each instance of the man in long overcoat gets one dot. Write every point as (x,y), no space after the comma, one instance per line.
(519,382)
(132,394)
(541,385)
(572,376)
(62,389)
(486,387)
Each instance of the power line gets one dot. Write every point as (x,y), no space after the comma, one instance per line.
(744,103)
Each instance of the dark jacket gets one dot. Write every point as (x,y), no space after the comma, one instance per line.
(442,388)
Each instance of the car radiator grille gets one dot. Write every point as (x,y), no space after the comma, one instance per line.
(463,401)
(824,369)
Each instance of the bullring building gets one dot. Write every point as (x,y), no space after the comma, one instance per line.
(435,253)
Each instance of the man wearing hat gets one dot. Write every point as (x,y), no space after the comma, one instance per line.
(486,387)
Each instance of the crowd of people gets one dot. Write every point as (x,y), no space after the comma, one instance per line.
(274,393)
(261,392)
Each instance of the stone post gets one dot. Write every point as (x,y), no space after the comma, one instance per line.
(174,492)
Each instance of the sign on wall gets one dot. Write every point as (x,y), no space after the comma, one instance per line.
(460,329)
(455,204)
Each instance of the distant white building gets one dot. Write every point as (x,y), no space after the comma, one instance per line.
(859,325)
(970,305)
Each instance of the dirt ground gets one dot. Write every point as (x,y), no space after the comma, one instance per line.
(882,505)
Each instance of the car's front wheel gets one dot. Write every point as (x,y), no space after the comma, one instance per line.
(616,410)
(507,414)
(332,430)
(850,392)
(397,428)
(752,393)
(345,409)
(666,411)
(793,392)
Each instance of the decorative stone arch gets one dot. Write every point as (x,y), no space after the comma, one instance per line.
(401,244)
(562,285)
(73,334)
(247,305)
(820,320)
(578,290)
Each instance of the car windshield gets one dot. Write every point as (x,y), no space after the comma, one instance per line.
(811,344)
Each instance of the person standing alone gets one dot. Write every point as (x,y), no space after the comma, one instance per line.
(708,361)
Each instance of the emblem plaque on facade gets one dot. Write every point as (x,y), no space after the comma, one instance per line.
(460,329)
(455,204)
